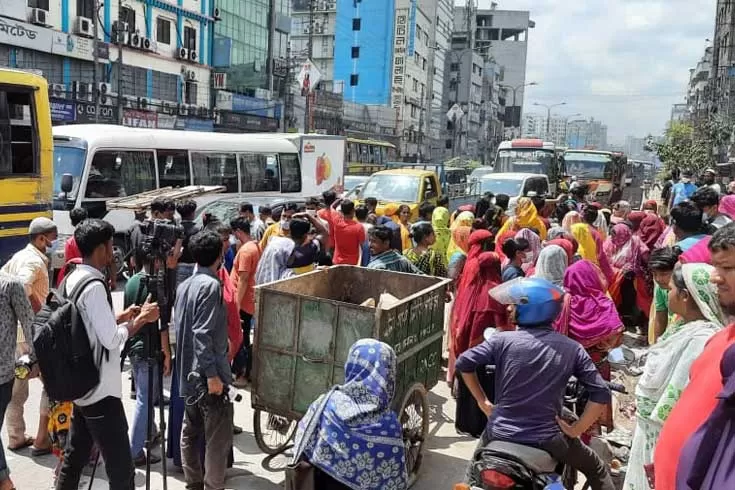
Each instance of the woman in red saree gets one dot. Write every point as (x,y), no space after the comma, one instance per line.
(474,309)
(628,256)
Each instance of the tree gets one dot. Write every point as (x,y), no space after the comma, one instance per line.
(693,147)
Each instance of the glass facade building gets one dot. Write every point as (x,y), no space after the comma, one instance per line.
(246,24)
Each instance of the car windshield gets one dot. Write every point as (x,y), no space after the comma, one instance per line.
(527,160)
(509,187)
(392,188)
(351,182)
(225,211)
(67,160)
(589,165)
(479,172)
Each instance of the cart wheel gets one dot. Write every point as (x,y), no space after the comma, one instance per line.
(272,432)
(414,416)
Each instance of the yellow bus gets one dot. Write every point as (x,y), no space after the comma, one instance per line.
(26,154)
(365,157)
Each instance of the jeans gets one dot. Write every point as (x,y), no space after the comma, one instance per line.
(209,420)
(568,451)
(104,424)
(140,420)
(6,392)
(243,362)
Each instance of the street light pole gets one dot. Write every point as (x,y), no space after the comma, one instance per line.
(548,114)
(515,90)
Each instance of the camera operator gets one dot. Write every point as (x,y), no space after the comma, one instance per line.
(141,354)
(186,209)
(98,417)
(202,366)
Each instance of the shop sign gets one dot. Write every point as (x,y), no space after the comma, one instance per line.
(244,122)
(140,119)
(77,47)
(400,35)
(86,113)
(193,124)
(62,110)
(166,121)
(17,33)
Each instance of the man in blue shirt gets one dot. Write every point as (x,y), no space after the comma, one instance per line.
(686,218)
(532,367)
(683,190)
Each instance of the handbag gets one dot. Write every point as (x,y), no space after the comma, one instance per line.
(300,475)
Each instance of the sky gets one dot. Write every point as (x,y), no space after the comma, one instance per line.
(624,62)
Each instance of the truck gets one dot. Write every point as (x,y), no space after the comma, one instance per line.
(600,170)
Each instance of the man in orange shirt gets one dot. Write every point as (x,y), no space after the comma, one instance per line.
(243,282)
(705,381)
(328,214)
(349,235)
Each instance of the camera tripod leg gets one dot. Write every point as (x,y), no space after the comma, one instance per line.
(149,425)
(162,425)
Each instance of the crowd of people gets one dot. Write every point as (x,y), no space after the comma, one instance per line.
(663,271)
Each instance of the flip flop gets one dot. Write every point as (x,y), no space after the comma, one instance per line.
(40,451)
(28,442)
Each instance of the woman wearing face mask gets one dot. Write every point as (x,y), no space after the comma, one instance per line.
(534,249)
(515,249)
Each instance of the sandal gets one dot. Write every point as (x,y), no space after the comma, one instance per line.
(27,443)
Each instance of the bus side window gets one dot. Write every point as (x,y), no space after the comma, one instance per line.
(173,168)
(290,172)
(258,172)
(18,153)
(120,173)
(215,169)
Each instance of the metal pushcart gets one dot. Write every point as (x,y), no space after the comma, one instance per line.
(305,326)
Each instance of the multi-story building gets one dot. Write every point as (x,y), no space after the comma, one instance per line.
(722,88)
(698,91)
(502,35)
(590,134)
(636,148)
(492,112)
(553,130)
(679,112)
(463,70)
(147,64)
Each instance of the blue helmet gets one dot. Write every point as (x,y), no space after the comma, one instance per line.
(537,301)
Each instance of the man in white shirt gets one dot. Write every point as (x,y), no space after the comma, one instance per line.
(98,417)
(709,180)
(30,267)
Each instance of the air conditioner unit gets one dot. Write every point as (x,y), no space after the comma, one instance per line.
(104,92)
(146,44)
(135,39)
(129,102)
(57,90)
(193,55)
(83,91)
(183,110)
(216,14)
(38,17)
(191,75)
(182,54)
(83,27)
(168,107)
(144,103)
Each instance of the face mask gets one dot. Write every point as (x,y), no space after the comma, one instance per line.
(285,225)
(527,258)
(233,240)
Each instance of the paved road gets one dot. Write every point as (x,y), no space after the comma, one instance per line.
(444,462)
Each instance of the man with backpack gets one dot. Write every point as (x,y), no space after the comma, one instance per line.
(98,416)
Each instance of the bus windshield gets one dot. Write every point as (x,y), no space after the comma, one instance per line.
(589,165)
(526,160)
(67,160)
(392,188)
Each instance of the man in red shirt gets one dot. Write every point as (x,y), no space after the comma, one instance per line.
(328,214)
(243,282)
(71,251)
(705,381)
(349,235)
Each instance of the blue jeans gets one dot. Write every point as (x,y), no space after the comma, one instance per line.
(6,392)
(140,420)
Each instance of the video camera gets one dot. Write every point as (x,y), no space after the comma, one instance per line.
(159,237)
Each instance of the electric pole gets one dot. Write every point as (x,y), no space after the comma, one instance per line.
(310,51)
(120,34)
(95,85)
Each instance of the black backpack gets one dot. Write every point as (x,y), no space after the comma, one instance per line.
(62,346)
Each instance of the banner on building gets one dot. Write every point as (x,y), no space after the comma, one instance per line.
(140,119)
(76,47)
(17,33)
(228,101)
(166,121)
(62,110)
(87,113)
(219,81)
(412,29)
(400,34)
(309,77)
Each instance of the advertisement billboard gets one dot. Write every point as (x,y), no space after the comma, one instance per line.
(322,164)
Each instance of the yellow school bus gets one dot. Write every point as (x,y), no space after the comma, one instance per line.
(26,154)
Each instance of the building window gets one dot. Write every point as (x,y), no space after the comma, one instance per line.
(356,24)
(415,85)
(355,51)
(18,151)
(190,93)
(38,4)
(85,8)
(163,30)
(423,63)
(127,14)
(454,67)
(353,79)
(190,38)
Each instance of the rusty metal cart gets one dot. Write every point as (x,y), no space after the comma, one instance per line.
(305,326)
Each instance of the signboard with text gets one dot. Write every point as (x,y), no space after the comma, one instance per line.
(17,33)
(400,35)
(62,110)
(86,113)
(140,119)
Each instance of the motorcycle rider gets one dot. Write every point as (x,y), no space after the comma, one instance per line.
(532,367)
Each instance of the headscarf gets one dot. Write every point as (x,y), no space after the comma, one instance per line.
(465,218)
(620,213)
(600,225)
(571,218)
(697,279)
(569,247)
(555,232)
(440,223)
(625,250)
(459,242)
(650,230)
(358,439)
(727,206)
(534,246)
(636,219)
(474,309)
(651,203)
(589,315)
(587,249)
(698,253)
(551,264)
(526,216)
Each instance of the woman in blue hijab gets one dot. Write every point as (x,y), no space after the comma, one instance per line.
(357,440)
